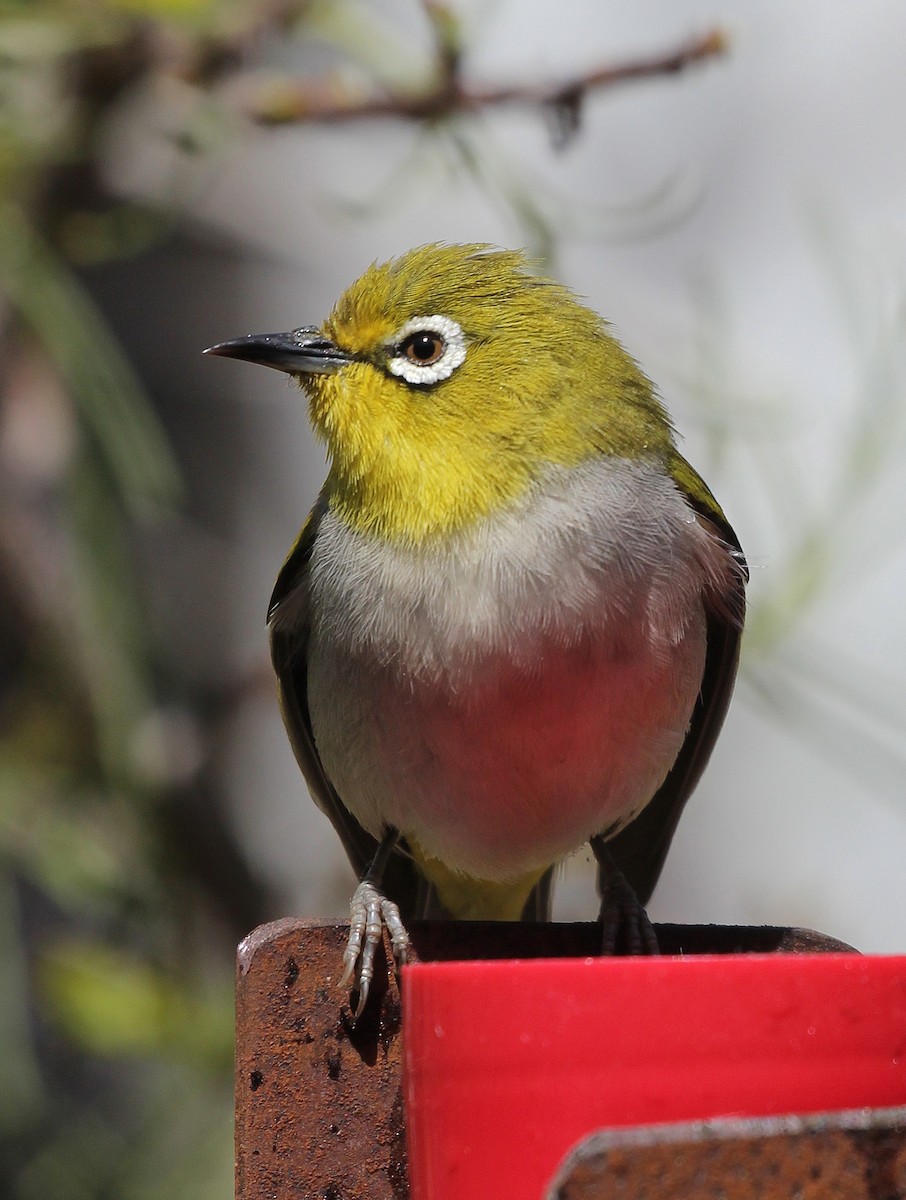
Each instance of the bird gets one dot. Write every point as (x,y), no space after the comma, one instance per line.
(510,626)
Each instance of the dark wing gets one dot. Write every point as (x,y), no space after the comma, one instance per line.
(289,622)
(639,851)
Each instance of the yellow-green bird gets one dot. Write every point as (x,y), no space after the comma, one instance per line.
(511,624)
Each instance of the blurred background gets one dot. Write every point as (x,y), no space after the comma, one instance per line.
(178,172)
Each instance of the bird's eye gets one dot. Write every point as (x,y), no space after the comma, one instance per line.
(427,350)
(423,348)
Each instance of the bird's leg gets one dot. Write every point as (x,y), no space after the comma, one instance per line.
(369,912)
(622,915)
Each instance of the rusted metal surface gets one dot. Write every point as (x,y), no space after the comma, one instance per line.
(835,1156)
(319,1111)
(318,1099)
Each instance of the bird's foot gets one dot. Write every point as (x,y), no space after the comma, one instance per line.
(369,912)
(625,927)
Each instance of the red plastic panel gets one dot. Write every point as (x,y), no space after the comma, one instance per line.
(502,1077)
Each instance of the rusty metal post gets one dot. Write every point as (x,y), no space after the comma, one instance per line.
(319,1112)
(834,1156)
(318,1097)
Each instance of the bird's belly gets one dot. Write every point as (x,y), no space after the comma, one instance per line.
(519,766)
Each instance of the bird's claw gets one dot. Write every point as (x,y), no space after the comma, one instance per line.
(369,912)
(624,920)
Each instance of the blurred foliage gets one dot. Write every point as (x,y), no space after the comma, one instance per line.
(834,528)
(116,992)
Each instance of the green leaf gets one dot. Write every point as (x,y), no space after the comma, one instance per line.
(73,333)
(112,1004)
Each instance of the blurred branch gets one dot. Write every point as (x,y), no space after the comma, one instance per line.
(333,98)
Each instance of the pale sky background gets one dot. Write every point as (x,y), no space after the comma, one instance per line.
(768,293)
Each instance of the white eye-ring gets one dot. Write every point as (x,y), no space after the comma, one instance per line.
(427,350)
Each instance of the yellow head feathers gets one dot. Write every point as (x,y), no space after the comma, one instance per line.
(447,381)
(484,290)
(533,379)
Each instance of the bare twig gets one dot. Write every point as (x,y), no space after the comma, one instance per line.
(330,98)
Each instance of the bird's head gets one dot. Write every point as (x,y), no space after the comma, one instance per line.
(446,382)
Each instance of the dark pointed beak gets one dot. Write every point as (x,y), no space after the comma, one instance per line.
(300,352)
